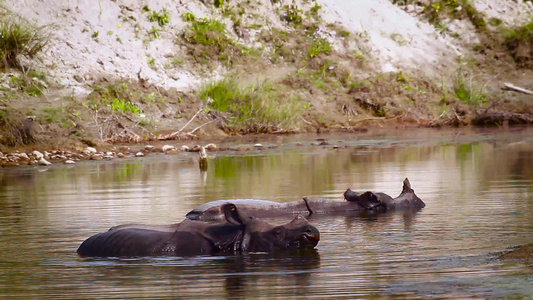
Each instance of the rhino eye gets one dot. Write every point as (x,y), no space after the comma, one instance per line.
(277,232)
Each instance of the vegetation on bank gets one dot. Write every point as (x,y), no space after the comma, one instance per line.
(264,107)
(519,41)
(328,79)
(19,38)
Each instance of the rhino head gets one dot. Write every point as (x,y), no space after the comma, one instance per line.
(260,236)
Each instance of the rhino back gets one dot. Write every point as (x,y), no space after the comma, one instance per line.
(130,242)
(211,210)
(324,205)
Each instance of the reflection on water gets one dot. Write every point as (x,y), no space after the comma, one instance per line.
(478,189)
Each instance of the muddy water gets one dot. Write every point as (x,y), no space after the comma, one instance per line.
(478,187)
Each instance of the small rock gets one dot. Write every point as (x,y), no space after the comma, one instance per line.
(109,153)
(210,146)
(139,154)
(299,144)
(184,148)
(108,157)
(120,155)
(259,146)
(124,149)
(335,147)
(97,156)
(24,156)
(196,148)
(38,155)
(69,162)
(7,164)
(89,151)
(44,162)
(168,148)
(149,148)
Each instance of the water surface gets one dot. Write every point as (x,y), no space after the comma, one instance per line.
(477,184)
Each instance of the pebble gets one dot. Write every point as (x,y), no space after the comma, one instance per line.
(168,148)
(124,149)
(90,150)
(210,146)
(38,155)
(44,162)
(139,154)
(97,156)
(69,162)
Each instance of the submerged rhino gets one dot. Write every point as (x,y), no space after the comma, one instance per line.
(352,201)
(236,233)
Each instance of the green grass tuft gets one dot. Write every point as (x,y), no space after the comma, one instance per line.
(162,17)
(18,38)
(258,108)
(468,91)
(519,41)
(319,46)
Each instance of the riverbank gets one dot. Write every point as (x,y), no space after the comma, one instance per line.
(363,139)
(129,72)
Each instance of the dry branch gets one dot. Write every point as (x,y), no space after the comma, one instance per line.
(509,86)
(179,134)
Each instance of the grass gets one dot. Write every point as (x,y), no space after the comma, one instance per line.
(207,41)
(116,97)
(155,32)
(58,115)
(467,90)
(15,129)
(437,11)
(162,17)
(31,83)
(122,106)
(520,38)
(319,46)
(259,108)
(292,14)
(18,38)
(207,31)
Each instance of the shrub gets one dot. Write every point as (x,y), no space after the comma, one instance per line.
(117,97)
(319,46)
(292,14)
(19,39)
(458,9)
(207,31)
(162,17)
(207,41)
(520,42)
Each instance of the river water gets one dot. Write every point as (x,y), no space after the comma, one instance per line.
(477,184)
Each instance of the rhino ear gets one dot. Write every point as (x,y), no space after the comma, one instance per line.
(233,216)
(406,186)
(351,196)
(370,197)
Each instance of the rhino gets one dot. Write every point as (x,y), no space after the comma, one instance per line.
(236,233)
(352,202)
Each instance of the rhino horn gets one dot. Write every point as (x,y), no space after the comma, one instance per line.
(406,186)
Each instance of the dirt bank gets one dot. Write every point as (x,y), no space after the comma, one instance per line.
(128,71)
